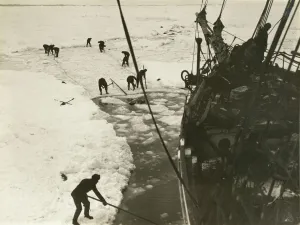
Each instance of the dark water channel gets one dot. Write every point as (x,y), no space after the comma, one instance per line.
(153,187)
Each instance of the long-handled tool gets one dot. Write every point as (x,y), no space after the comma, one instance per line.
(118,86)
(125,211)
(64,103)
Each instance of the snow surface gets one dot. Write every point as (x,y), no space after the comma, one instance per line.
(39,139)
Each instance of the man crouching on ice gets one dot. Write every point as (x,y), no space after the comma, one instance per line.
(79,195)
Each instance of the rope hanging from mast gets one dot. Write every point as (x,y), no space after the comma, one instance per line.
(151,113)
(222,8)
(264,16)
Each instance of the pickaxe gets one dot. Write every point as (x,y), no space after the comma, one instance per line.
(64,103)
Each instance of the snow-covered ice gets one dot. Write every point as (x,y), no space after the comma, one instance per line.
(41,139)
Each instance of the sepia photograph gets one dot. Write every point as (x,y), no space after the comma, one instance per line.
(140,112)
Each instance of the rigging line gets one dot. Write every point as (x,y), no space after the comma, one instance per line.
(135,215)
(193,52)
(201,5)
(274,26)
(222,8)
(287,29)
(151,113)
(228,33)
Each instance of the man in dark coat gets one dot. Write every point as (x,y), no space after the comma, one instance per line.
(50,48)
(101,45)
(79,195)
(261,41)
(102,84)
(131,80)
(140,76)
(56,50)
(126,58)
(46,48)
(88,42)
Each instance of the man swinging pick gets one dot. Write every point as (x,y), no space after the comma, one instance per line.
(140,76)
(79,195)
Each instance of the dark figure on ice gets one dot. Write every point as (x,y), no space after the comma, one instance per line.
(131,80)
(79,195)
(101,45)
(102,84)
(126,58)
(56,50)
(261,41)
(140,76)
(46,48)
(50,48)
(88,42)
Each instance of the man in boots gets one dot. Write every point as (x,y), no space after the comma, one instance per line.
(131,80)
(88,42)
(101,46)
(56,50)
(79,195)
(126,58)
(102,84)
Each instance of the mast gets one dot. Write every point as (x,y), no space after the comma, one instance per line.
(294,55)
(199,41)
(279,31)
(286,31)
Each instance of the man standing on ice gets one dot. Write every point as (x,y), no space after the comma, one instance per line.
(101,45)
(88,42)
(79,195)
(126,58)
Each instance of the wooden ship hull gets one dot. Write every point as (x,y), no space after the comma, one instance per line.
(239,141)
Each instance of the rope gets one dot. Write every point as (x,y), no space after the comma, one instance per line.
(229,33)
(201,5)
(135,215)
(222,8)
(151,113)
(193,52)
(275,26)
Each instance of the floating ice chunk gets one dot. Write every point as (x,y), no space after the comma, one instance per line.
(148,134)
(174,106)
(147,117)
(154,180)
(149,152)
(122,125)
(154,108)
(160,100)
(157,94)
(164,215)
(137,191)
(172,95)
(122,117)
(111,100)
(149,141)
(149,186)
(140,127)
(171,120)
(122,130)
(121,110)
